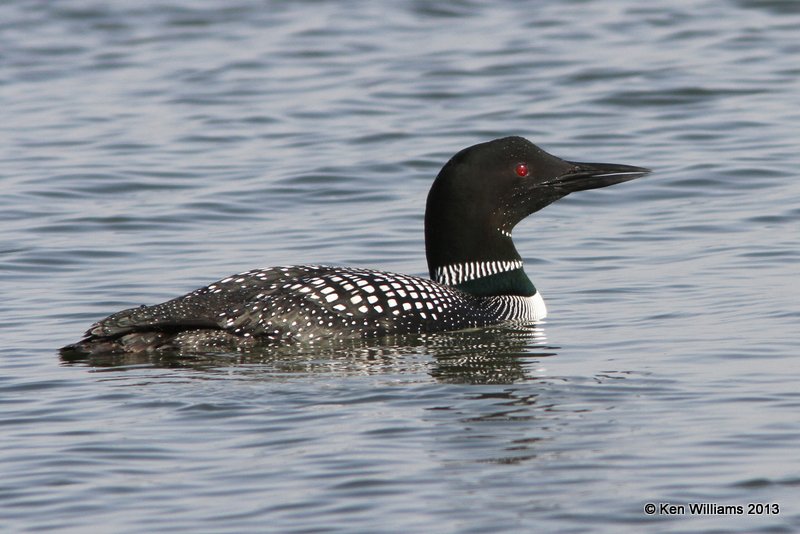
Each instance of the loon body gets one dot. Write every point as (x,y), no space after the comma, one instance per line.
(477,276)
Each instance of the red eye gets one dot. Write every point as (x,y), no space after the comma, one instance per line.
(521,170)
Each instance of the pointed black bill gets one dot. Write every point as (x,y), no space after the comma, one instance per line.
(583,176)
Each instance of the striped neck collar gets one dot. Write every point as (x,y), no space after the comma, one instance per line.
(459,273)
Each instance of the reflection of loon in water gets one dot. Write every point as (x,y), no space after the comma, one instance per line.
(477,273)
(500,354)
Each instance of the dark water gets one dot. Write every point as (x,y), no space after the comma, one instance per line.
(149,148)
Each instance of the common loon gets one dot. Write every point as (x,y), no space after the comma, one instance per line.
(477,277)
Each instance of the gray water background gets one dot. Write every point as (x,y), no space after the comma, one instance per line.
(148,148)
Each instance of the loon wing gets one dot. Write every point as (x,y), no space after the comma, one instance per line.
(209,307)
(286,304)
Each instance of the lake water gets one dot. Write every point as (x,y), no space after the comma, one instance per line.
(148,148)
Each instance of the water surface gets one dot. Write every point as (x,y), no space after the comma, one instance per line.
(147,149)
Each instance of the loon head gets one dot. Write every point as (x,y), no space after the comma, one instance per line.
(482,193)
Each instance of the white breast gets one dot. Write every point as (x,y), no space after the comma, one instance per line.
(516,308)
(537,306)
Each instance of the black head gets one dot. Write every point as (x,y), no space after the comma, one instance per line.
(485,190)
